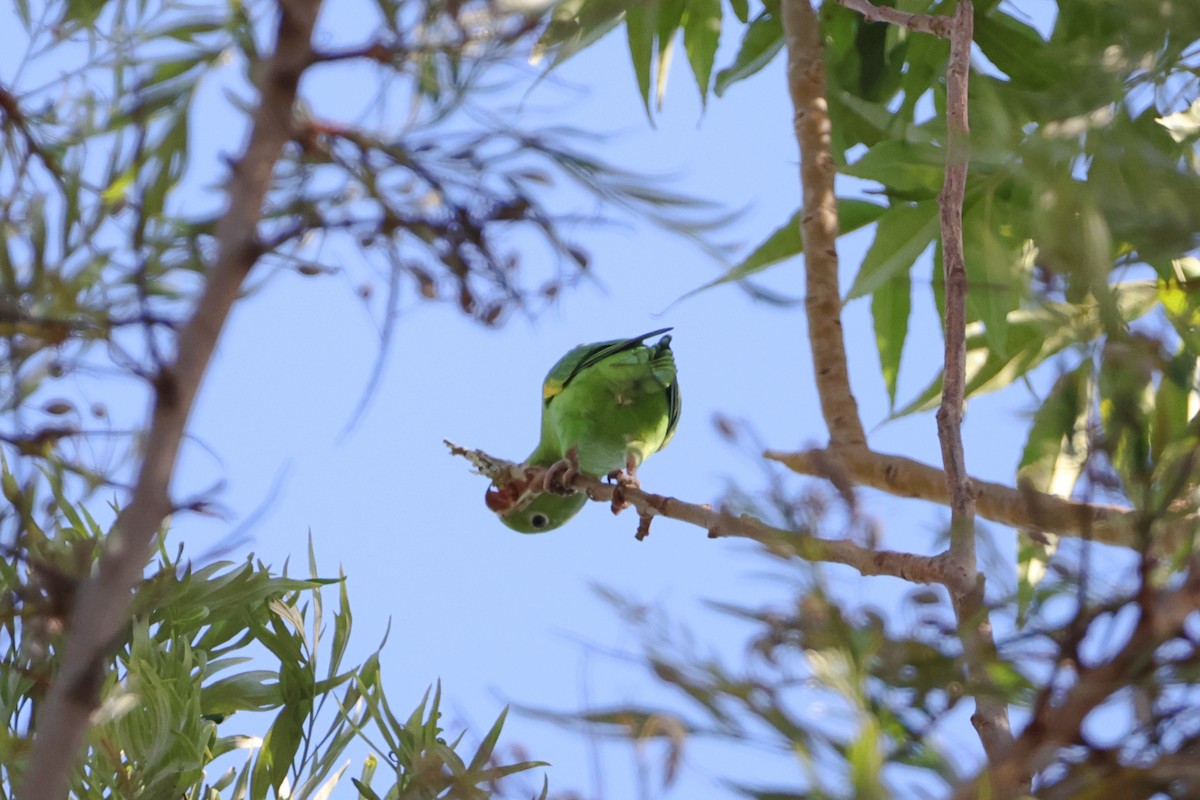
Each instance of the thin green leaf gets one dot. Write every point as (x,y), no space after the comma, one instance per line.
(701,34)
(1034,335)
(641,19)
(890,307)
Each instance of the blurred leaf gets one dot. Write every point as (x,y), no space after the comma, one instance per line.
(1126,400)
(1017,50)
(1175,403)
(1056,453)
(997,268)
(1034,335)
(915,169)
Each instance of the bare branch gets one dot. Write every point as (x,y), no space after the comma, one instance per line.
(819,224)
(103,603)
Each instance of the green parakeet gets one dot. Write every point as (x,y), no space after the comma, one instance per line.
(614,404)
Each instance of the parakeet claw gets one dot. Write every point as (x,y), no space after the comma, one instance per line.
(561,474)
(625,479)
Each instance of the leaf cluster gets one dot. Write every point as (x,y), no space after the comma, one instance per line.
(212,657)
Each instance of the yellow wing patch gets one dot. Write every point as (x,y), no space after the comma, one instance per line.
(550,389)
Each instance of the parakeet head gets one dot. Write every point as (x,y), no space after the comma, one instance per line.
(543,513)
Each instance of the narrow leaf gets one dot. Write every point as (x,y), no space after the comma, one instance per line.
(640,21)
(890,307)
(701,33)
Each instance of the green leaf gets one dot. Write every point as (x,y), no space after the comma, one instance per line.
(908,167)
(640,22)
(1173,403)
(741,9)
(701,33)
(786,241)
(890,308)
(1056,447)
(1034,335)
(1017,50)
(762,40)
(997,269)
(83,12)
(574,26)
(904,232)
(480,760)
(365,790)
(670,12)
(1126,407)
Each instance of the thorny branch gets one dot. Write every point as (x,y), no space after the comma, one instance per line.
(104,599)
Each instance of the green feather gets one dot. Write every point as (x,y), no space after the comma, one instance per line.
(616,403)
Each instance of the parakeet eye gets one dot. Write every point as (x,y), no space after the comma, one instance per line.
(539,520)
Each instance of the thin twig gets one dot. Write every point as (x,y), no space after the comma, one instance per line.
(819,224)
(975,628)
(103,604)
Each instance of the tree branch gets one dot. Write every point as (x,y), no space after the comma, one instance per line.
(867,561)
(103,603)
(1017,508)
(1056,722)
(819,224)
(967,582)
(975,628)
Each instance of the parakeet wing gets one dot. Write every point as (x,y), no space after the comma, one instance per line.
(586,355)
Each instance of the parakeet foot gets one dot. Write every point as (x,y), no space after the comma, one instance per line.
(625,479)
(561,474)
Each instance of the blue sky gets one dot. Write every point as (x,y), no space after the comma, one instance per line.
(496,616)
